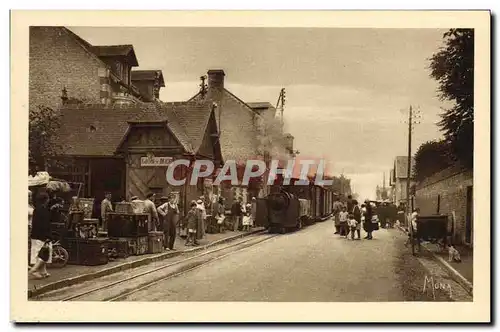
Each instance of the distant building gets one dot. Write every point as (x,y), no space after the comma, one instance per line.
(66,69)
(399,179)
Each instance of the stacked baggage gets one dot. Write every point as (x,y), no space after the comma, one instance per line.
(128,232)
(83,244)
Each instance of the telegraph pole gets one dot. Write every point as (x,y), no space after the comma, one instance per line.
(412,119)
(408,174)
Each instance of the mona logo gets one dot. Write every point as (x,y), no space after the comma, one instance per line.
(435,286)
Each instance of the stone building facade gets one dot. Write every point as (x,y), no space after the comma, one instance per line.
(64,68)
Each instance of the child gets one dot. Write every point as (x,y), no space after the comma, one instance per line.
(246,219)
(343,217)
(352,223)
(192,224)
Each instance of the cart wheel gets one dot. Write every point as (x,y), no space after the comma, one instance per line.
(299,224)
(60,257)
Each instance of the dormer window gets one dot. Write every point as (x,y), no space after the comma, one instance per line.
(118,68)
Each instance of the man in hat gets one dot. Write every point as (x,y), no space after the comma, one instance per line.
(137,204)
(106,208)
(169,213)
(236,213)
(161,212)
(150,208)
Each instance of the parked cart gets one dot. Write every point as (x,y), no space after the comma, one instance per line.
(431,228)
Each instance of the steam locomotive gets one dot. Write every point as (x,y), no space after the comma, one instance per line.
(291,207)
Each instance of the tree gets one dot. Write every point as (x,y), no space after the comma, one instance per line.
(430,158)
(43,129)
(453,67)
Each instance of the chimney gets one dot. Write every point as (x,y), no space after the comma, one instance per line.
(216,79)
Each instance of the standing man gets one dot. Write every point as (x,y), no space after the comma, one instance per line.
(356,212)
(169,211)
(337,207)
(150,208)
(106,208)
(350,204)
(236,213)
(368,220)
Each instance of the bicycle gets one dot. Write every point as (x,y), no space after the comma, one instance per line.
(60,255)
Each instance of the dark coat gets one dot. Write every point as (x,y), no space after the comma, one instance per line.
(350,205)
(367,225)
(41,229)
(192,219)
(236,209)
(356,211)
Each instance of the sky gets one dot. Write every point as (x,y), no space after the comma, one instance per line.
(347,90)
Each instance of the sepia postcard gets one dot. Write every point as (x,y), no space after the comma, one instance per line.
(246,166)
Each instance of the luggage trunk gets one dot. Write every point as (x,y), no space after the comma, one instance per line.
(127,225)
(119,248)
(88,252)
(155,242)
(124,207)
(136,245)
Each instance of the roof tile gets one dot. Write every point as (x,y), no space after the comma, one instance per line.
(95,130)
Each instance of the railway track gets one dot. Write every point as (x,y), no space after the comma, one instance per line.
(124,287)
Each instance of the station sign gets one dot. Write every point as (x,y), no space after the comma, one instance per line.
(151,161)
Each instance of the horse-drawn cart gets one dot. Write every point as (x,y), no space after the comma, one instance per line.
(431,228)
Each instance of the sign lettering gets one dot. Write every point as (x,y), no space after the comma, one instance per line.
(156,161)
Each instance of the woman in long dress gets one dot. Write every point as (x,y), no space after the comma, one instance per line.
(253,213)
(41,248)
(367,225)
(201,224)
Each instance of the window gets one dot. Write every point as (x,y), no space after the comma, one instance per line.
(118,68)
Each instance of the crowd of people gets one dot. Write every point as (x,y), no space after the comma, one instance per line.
(350,216)
(164,216)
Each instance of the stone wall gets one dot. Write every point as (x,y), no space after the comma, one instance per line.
(57,61)
(446,193)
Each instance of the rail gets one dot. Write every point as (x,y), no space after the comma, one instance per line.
(163,267)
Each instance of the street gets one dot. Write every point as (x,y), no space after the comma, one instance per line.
(308,265)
